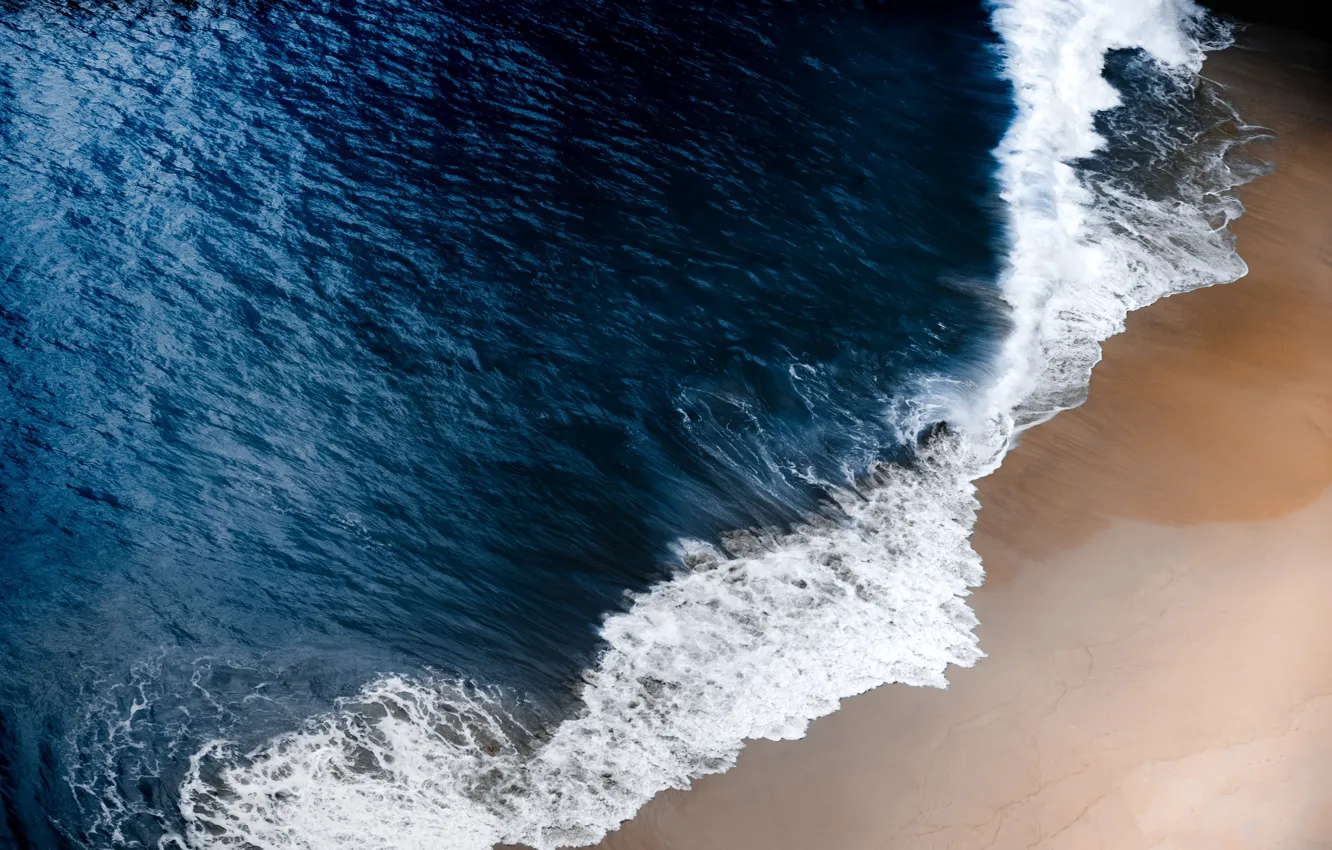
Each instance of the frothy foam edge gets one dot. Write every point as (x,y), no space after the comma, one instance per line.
(756,641)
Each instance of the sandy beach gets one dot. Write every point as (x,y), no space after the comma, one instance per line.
(1159,561)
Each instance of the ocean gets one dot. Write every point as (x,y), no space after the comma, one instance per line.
(435,425)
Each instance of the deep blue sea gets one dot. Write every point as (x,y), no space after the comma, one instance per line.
(361,338)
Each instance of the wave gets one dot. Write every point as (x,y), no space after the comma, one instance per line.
(758,637)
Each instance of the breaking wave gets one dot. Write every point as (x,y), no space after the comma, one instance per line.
(1110,207)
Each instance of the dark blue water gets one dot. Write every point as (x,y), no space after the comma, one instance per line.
(350,337)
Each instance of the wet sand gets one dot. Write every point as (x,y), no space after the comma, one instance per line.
(1158,607)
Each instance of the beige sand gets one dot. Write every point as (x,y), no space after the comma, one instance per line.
(1158,615)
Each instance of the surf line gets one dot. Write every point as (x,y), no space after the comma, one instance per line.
(756,642)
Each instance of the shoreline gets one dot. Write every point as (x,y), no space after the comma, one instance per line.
(1159,671)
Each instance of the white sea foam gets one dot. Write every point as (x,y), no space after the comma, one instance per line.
(756,641)
(1081,256)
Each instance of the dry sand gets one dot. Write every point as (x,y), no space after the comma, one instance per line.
(1158,612)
